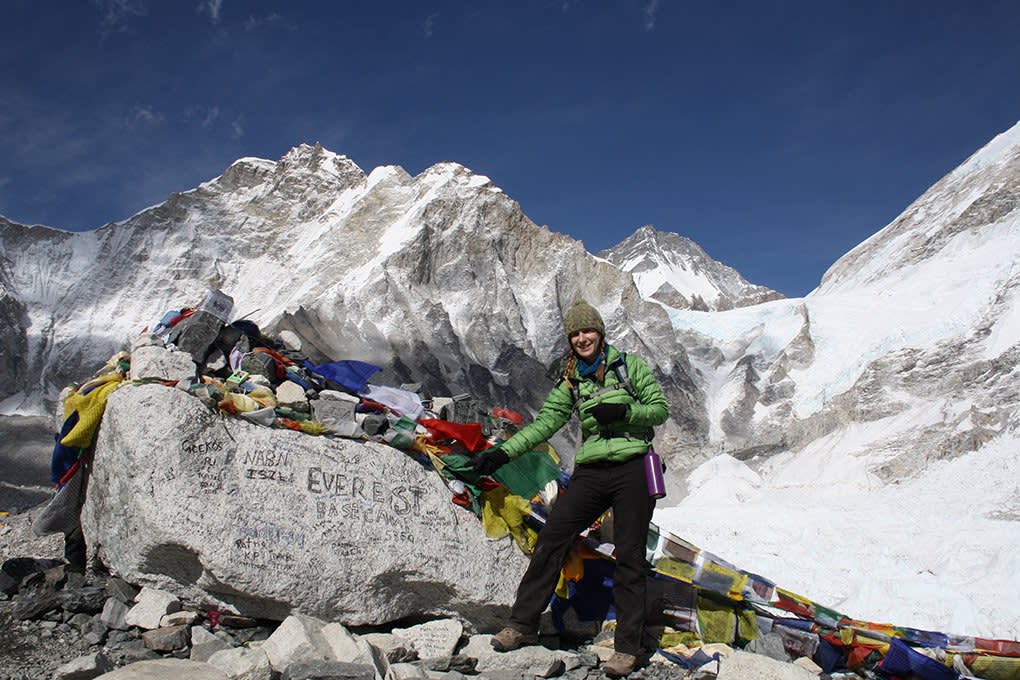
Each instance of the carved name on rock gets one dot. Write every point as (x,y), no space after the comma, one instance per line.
(220,511)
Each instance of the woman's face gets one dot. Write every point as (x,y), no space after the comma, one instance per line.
(586,343)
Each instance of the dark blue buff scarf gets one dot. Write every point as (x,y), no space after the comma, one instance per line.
(586,370)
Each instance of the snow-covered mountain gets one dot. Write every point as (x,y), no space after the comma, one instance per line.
(869,432)
(676,272)
(440,277)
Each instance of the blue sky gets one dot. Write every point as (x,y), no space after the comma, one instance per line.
(777,135)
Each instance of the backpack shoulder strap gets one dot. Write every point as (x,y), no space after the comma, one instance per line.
(620,369)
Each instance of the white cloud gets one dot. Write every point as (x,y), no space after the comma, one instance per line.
(651,9)
(254,23)
(212,8)
(430,24)
(211,114)
(115,13)
(143,116)
(237,127)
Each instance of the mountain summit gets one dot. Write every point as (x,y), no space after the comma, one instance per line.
(676,272)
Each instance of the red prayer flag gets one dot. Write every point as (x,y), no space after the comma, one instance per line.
(468,434)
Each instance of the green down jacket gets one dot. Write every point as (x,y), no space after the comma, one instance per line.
(613,442)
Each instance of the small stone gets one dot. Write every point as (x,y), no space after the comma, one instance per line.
(406,671)
(114,614)
(289,393)
(84,667)
(200,634)
(89,600)
(243,664)
(529,661)
(433,639)
(449,675)
(770,645)
(332,412)
(93,638)
(235,621)
(152,605)
(135,650)
(601,653)
(121,590)
(17,568)
(181,618)
(165,669)
(808,665)
(460,663)
(324,669)
(159,363)
(261,634)
(35,606)
(122,636)
(742,665)
(203,651)
(167,639)
(393,647)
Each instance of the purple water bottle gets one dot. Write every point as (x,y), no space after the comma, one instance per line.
(653,473)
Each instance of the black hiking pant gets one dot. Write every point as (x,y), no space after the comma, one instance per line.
(592,490)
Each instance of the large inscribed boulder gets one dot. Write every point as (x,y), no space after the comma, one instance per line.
(262,521)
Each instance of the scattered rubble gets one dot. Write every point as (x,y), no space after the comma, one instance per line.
(56,625)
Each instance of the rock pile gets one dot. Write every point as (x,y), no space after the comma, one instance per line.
(70,626)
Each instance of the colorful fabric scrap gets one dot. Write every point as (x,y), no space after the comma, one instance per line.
(468,434)
(526,475)
(349,374)
(503,513)
(902,660)
(89,402)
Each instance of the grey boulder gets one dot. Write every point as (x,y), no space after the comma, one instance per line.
(263,521)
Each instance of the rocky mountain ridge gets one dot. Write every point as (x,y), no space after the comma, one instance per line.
(441,278)
(444,280)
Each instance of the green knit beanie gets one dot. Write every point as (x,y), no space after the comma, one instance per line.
(581,315)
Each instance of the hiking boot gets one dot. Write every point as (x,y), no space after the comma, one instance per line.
(510,638)
(620,664)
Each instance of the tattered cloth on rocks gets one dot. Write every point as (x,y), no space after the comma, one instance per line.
(262,521)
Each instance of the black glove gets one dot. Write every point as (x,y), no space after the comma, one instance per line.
(490,460)
(608,413)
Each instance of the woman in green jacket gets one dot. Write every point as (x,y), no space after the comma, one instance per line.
(616,429)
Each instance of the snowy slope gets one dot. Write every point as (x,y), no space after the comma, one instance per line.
(892,494)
